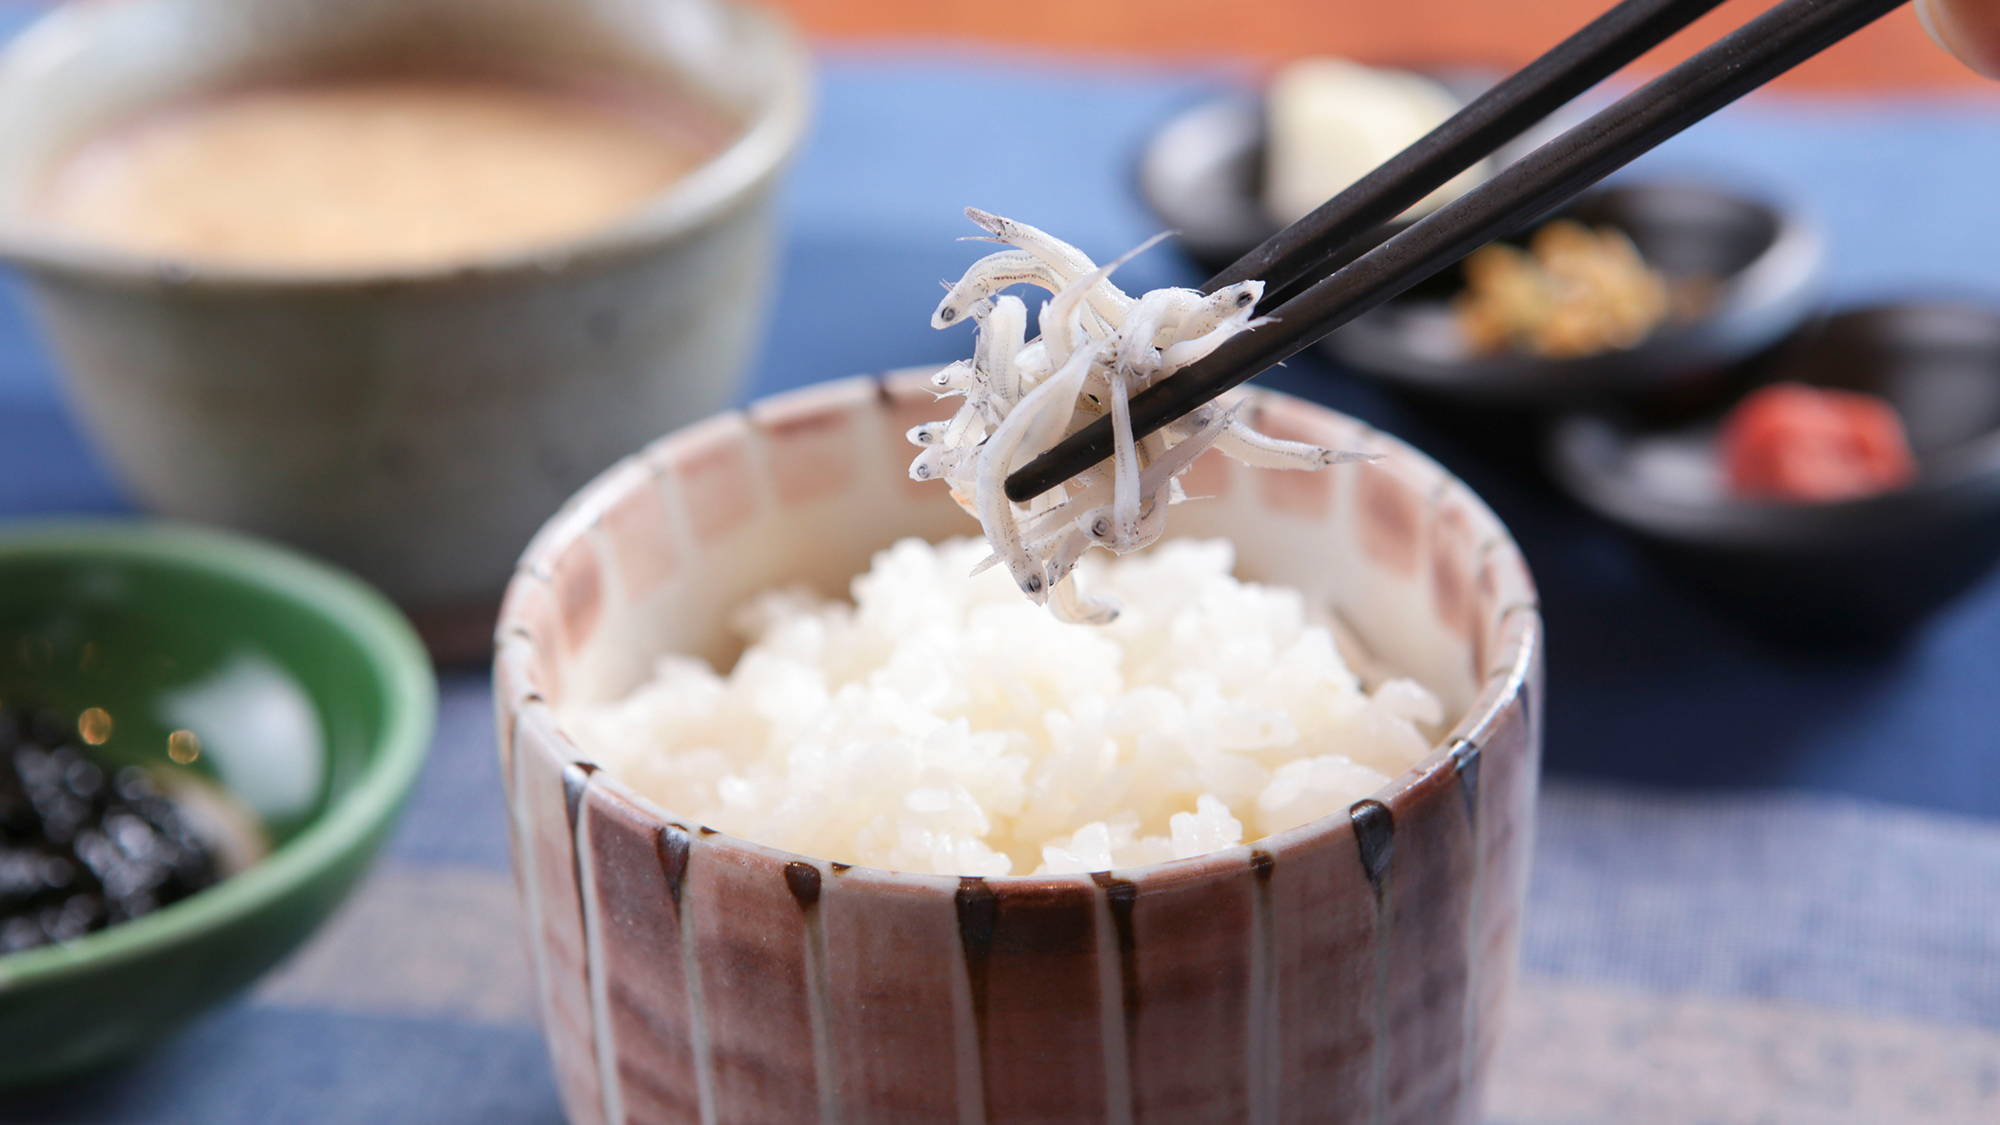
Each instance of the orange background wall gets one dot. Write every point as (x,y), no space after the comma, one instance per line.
(1893,54)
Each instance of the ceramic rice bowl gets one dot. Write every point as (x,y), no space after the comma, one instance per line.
(1351,969)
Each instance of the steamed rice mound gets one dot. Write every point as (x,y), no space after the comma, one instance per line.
(944,724)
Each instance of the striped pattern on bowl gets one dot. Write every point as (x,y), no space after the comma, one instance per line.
(1349,970)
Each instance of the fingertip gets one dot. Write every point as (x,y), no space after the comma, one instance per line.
(1969,32)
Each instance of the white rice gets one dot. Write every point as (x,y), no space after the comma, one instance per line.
(945,724)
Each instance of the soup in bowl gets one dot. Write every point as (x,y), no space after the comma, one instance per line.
(390,280)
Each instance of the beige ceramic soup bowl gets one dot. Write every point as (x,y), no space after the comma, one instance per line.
(415,425)
(1349,970)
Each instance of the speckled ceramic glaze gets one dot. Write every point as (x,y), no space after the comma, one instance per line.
(415,425)
(1349,970)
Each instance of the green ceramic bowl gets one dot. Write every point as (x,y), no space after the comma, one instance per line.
(314,703)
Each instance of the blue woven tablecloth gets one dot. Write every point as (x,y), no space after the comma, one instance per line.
(1767,889)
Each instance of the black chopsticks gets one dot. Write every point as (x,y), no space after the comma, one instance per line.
(1755,53)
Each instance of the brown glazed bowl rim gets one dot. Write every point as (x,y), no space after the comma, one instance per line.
(1512,670)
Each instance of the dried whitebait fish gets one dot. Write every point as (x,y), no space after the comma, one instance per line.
(1239,442)
(988,276)
(1067,261)
(1098,347)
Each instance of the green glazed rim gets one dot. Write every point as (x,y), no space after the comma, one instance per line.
(396,658)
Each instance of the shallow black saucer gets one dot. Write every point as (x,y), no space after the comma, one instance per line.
(1202,174)
(1861,570)
(1760,266)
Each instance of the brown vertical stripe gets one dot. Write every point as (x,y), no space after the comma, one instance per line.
(1042,1042)
(1428,900)
(891,941)
(1324,938)
(576,778)
(650,1015)
(751,946)
(1465,760)
(1508,772)
(559,929)
(1261,1037)
(1191,1023)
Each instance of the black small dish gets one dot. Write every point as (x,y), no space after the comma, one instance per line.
(1858,571)
(1761,266)
(1202,173)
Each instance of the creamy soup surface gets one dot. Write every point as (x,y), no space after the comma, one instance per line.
(370,173)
